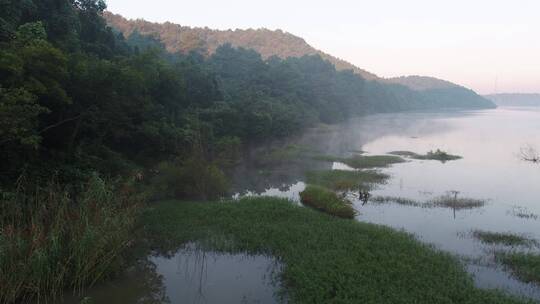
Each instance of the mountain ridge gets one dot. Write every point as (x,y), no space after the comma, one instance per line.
(178,38)
(184,39)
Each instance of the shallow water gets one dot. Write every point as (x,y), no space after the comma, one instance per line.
(194,276)
(491,169)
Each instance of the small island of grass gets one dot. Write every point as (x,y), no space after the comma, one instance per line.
(327,201)
(346,180)
(503,238)
(431,155)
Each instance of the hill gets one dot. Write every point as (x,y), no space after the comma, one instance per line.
(178,38)
(515,99)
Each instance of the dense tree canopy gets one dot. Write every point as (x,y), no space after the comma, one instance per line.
(76,96)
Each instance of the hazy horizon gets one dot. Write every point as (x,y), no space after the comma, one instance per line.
(489,46)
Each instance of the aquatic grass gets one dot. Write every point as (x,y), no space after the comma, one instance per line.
(325,259)
(358,161)
(346,180)
(327,201)
(457,203)
(431,155)
(504,238)
(288,153)
(397,200)
(445,201)
(525,266)
(523,213)
(371,161)
(52,239)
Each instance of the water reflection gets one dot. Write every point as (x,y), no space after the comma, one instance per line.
(194,276)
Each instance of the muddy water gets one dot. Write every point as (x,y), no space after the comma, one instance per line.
(491,169)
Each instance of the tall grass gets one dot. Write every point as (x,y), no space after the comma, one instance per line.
(52,239)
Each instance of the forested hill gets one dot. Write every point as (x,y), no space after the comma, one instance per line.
(77,97)
(177,38)
(184,39)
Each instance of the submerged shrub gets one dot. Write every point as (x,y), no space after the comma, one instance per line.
(51,239)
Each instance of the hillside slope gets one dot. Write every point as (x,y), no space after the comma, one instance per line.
(417,91)
(177,38)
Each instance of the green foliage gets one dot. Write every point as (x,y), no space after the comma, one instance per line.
(431,155)
(507,239)
(193,178)
(326,259)
(525,266)
(371,161)
(51,239)
(346,180)
(327,201)
(19,117)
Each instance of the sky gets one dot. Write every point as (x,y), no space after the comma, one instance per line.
(491,46)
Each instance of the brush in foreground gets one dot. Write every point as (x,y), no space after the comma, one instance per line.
(327,201)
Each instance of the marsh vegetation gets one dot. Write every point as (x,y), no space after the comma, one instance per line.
(318,252)
(327,201)
(438,154)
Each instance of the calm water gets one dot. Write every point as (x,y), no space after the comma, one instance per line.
(489,141)
(194,276)
(491,169)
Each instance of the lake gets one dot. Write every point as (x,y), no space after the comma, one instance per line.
(490,170)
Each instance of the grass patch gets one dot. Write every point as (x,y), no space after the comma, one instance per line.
(445,201)
(326,259)
(371,161)
(507,239)
(346,180)
(523,213)
(458,203)
(362,161)
(525,266)
(396,200)
(51,239)
(289,153)
(327,201)
(431,155)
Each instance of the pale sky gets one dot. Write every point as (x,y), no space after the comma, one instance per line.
(487,45)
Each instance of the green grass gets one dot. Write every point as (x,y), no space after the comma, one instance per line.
(50,241)
(444,201)
(325,259)
(346,180)
(327,201)
(525,266)
(447,201)
(397,200)
(431,155)
(507,239)
(363,161)
(371,161)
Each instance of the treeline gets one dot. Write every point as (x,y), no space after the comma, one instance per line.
(76,96)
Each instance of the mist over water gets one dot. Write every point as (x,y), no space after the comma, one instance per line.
(491,169)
